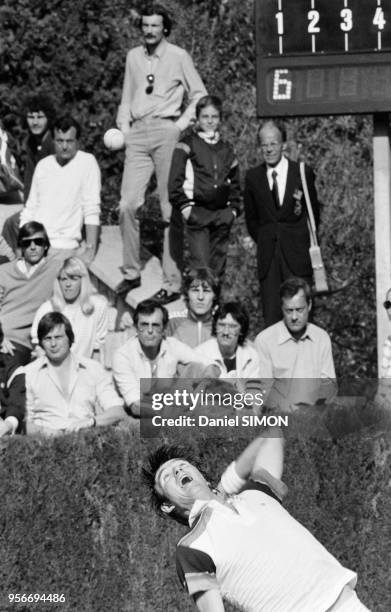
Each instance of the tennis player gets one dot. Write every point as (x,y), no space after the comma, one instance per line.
(243,546)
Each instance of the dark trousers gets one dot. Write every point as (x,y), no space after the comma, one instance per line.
(278,272)
(176,238)
(208,236)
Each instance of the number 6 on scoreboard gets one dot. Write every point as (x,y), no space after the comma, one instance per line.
(282,85)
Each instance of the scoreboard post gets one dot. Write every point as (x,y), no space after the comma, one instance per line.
(333,57)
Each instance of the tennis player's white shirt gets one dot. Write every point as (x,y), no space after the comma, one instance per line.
(64,198)
(258,556)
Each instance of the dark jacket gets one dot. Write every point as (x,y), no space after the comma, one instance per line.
(288,225)
(34,151)
(12,390)
(204,174)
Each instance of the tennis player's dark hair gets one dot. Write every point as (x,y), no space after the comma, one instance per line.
(156,459)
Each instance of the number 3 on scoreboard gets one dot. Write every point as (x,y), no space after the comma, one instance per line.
(282,85)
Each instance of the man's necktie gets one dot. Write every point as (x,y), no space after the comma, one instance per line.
(275,190)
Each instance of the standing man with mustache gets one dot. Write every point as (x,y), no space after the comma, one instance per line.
(157,77)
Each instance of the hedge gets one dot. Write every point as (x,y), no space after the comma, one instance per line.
(76,519)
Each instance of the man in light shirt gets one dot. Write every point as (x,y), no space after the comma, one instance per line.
(66,392)
(296,359)
(243,546)
(65,194)
(157,77)
(149,355)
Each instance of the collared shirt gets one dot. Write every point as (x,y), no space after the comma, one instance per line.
(282,172)
(247,360)
(22,266)
(174,75)
(90,389)
(300,369)
(130,364)
(258,556)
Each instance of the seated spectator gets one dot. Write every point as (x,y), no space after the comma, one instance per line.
(12,396)
(201,291)
(75,297)
(149,355)
(66,392)
(38,119)
(25,283)
(65,193)
(229,350)
(296,358)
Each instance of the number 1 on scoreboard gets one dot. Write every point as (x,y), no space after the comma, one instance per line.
(280,29)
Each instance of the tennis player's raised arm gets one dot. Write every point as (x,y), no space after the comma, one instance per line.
(209,601)
(262,460)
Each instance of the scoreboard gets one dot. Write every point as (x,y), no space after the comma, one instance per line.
(323,57)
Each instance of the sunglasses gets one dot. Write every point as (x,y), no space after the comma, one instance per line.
(387,304)
(26,242)
(151,80)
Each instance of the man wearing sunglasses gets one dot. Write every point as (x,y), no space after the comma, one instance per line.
(157,76)
(25,284)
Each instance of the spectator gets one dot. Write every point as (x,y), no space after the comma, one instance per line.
(149,355)
(201,291)
(39,143)
(296,358)
(12,395)
(87,311)
(204,185)
(66,392)
(243,545)
(10,182)
(229,350)
(65,193)
(39,117)
(157,77)
(25,284)
(276,217)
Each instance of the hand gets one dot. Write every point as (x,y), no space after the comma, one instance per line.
(5,428)
(7,347)
(37,352)
(86,254)
(126,320)
(186,212)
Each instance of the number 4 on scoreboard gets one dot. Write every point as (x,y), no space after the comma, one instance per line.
(378,19)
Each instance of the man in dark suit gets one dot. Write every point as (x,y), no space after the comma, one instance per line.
(276,217)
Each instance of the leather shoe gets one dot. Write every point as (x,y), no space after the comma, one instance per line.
(127,285)
(163,297)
